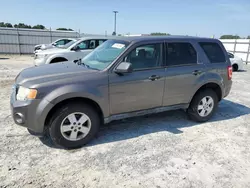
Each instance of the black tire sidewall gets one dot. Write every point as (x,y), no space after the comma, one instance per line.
(55,132)
(235,67)
(192,110)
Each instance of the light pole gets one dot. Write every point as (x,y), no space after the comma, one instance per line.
(115,12)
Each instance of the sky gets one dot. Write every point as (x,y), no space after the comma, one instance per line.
(177,17)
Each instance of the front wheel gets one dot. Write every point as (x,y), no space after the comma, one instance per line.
(74,125)
(235,67)
(203,105)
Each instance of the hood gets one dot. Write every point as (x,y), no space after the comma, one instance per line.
(45,46)
(52,72)
(53,51)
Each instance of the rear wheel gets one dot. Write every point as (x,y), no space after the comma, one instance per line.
(74,125)
(203,105)
(235,67)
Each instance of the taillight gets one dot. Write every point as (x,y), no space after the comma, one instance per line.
(229,72)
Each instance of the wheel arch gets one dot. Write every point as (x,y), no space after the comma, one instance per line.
(211,85)
(78,100)
(57,59)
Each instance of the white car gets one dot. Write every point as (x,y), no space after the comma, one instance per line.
(237,62)
(57,43)
(72,51)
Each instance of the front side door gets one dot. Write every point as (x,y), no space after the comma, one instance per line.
(184,72)
(143,88)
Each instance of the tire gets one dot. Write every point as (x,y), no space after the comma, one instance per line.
(195,111)
(63,120)
(235,67)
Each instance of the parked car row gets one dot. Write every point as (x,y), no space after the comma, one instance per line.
(123,77)
(74,50)
(68,49)
(57,43)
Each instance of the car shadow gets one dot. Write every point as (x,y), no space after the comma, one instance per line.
(241,71)
(4,58)
(171,121)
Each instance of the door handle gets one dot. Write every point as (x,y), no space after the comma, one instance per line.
(154,77)
(197,72)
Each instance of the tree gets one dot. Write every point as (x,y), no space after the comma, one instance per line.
(8,25)
(2,24)
(119,34)
(114,33)
(248,37)
(230,37)
(38,26)
(22,25)
(64,29)
(159,34)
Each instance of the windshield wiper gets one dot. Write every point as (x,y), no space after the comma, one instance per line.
(80,62)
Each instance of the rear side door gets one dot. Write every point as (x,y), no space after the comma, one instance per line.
(184,72)
(143,88)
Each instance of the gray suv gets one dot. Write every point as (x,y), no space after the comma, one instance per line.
(123,77)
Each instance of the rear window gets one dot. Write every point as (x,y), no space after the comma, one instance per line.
(213,51)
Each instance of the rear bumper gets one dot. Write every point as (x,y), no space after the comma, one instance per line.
(227,88)
(241,66)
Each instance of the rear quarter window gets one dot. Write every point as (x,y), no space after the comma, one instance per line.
(213,51)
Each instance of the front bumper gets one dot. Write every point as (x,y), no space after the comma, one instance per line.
(38,62)
(29,113)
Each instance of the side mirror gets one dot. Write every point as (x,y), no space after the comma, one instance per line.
(124,67)
(76,48)
(53,44)
(78,61)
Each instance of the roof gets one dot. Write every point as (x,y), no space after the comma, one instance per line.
(143,38)
(149,38)
(97,37)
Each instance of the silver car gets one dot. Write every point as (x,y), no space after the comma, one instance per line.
(58,43)
(74,50)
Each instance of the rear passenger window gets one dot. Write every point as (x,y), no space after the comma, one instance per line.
(180,54)
(92,44)
(101,41)
(213,51)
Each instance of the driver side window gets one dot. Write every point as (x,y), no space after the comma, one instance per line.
(60,42)
(83,45)
(145,56)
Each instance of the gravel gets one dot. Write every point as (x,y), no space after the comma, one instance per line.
(162,150)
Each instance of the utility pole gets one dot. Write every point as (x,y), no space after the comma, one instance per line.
(115,12)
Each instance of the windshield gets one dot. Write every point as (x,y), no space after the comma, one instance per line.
(105,54)
(69,44)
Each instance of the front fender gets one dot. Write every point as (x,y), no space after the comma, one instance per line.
(55,56)
(99,95)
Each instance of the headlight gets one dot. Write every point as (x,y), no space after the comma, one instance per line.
(41,56)
(25,93)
